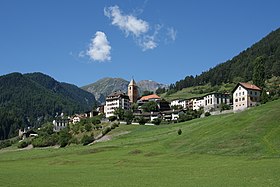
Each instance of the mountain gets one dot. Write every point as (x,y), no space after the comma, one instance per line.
(103,87)
(31,99)
(149,85)
(240,68)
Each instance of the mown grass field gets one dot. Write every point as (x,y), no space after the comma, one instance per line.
(240,149)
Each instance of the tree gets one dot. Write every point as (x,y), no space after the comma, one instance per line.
(112,118)
(146,92)
(119,112)
(150,106)
(128,116)
(88,127)
(64,137)
(259,73)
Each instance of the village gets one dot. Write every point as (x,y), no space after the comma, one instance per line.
(244,95)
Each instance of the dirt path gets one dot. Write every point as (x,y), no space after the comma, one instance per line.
(109,137)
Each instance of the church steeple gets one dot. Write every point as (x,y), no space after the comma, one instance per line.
(132,91)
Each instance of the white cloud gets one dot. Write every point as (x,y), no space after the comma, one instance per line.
(171,33)
(144,35)
(99,49)
(127,23)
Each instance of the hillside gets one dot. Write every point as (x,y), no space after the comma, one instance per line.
(103,87)
(30,99)
(239,149)
(240,68)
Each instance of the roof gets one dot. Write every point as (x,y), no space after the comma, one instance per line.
(247,86)
(116,93)
(132,82)
(148,97)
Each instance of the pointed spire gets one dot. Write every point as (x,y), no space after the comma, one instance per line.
(132,82)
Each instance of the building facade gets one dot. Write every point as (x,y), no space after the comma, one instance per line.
(245,95)
(114,101)
(180,102)
(213,101)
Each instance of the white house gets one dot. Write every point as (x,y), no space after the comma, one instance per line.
(179,102)
(213,101)
(116,100)
(59,124)
(198,103)
(245,95)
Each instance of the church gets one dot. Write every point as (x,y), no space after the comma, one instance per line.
(119,99)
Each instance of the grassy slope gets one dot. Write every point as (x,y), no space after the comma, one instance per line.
(193,91)
(229,150)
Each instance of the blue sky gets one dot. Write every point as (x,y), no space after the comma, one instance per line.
(80,42)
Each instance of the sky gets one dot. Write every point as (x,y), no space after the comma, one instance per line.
(80,42)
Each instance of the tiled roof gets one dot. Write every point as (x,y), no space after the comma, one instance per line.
(148,97)
(249,86)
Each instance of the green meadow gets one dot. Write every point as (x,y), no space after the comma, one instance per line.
(241,149)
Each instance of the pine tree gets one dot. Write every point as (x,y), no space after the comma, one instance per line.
(259,73)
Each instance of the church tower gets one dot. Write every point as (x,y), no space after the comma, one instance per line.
(132,91)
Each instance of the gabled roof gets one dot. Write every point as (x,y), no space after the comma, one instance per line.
(148,97)
(247,86)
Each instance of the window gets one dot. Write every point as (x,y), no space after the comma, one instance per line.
(236,94)
(236,100)
(239,99)
(239,93)
(243,98)
(251,92)
(243,93)
(255,93)
(239,87)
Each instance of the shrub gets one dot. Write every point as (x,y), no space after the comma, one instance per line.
(5,143)
(87,139)
(88,127)
(114,125)
(179,132)
(142,120)
(207,114)
(112,118)
(45,141)
(156,121)
(106,130)
(23,144)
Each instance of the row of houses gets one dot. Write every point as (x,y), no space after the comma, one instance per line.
(208,102)
(244,95)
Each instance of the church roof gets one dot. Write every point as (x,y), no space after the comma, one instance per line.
(132,82)
(148,97)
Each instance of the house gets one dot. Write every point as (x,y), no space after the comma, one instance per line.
(171,114)
(115,100)
(149,116)
(213,101)
(147,98)
(180,102)
(198,103)
(23,134)
(245,95)
(59,124)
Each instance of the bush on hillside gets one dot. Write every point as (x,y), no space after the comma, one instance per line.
(5,143)
(156,121)
(207,114)
(142,120)
(112,118)
(179,132)
(106,130)
(88,127)
(87,139)
(23,144)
